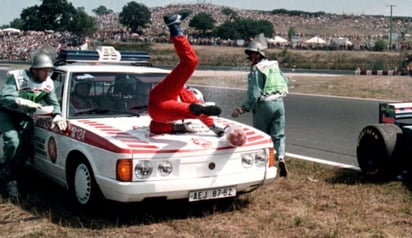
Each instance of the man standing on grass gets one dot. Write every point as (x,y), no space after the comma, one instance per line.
(267,86)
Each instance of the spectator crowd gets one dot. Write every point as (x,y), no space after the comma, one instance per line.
(360,30)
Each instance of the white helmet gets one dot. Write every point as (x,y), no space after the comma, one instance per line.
(197,93)
(41,60)
(257,45)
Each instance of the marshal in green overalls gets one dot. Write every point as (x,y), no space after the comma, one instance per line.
(21,96)
(267,86)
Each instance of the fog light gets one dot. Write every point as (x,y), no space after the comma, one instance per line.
(165,168)
(143,169)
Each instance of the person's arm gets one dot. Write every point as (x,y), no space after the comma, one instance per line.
(9,98)
(9,94)
(254,91)
(57,120)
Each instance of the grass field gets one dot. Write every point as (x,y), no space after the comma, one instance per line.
(313,201)
(288,58)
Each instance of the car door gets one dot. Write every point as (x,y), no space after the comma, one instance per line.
(48,157)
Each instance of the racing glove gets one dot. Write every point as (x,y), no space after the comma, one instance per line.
(183,128)
(218,130)
(27,106)
(59,122)
(238,111)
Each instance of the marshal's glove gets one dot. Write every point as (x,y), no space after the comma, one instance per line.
(238,111)
(59,122)
(25,105)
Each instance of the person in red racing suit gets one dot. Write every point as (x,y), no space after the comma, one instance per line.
(164,106)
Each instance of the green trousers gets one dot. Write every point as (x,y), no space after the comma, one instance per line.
(269,117)
(17,131)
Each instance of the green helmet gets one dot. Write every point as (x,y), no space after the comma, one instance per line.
(41,60)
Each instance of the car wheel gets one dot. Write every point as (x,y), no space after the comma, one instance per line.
(378,150)
(83,185)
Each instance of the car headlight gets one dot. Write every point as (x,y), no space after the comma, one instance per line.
(143,169)
(165,168)
(260,159)
(247,160)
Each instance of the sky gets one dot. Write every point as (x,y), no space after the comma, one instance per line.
(11,9)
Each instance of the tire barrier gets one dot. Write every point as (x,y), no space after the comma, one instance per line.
(377,72)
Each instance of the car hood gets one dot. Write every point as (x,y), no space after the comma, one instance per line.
(132,135)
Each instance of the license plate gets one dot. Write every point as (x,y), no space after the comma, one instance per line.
(212,194)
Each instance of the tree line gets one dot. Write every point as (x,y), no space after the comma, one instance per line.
(61,15)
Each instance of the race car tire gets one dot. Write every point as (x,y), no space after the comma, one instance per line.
(379,150)
(83,185)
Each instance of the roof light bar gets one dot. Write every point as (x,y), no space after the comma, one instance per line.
(103,54)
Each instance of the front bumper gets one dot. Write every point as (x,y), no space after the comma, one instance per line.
(180,188)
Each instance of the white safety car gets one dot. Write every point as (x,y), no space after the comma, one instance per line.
(108,151)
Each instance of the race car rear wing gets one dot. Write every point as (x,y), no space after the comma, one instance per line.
(103,54)
(391,112)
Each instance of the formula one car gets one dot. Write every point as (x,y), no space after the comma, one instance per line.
(384,149)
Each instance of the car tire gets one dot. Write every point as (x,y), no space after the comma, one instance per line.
(84,188)
(379,150)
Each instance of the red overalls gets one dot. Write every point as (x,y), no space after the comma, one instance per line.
(164,107)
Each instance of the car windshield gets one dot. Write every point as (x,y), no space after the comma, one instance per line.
(114,94)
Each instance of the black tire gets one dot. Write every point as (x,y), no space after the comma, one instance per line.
(83,186)
(379,150)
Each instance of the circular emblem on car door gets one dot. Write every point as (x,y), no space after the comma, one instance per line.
(52,149)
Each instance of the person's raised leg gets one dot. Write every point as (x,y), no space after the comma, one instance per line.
(163,106)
